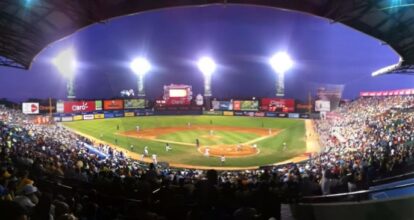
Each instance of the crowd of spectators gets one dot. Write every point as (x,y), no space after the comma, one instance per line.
(47,172)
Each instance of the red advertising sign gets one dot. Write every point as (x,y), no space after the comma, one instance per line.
(116,104)
(77,106)
(277,105)
(388,93)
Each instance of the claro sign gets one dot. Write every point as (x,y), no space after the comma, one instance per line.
(78,106)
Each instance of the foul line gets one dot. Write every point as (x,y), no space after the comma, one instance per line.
(193,145)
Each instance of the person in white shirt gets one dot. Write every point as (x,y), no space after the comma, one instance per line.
(137,128)
(154,159)
(207,152)
(167,147)
(145,151)
(222,159)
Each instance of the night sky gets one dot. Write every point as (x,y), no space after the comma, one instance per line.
(240,38)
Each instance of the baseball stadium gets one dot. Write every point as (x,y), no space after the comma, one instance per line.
(206,109)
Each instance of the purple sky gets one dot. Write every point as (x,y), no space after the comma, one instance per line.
(240,38)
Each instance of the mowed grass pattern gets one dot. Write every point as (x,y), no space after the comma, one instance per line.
(219,137)
(271,149)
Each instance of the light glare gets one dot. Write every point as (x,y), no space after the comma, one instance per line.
(66,63)
(281,62)
(140,66)
(207,66)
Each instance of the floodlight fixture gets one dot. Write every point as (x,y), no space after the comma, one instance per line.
(207,66)
(66,63)
(281,62)
(140,66)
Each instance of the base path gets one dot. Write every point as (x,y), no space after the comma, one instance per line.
(312,144)
(245,149)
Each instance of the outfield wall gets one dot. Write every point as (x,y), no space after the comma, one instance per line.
(67,117)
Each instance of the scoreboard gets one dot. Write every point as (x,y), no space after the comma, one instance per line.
(177,94)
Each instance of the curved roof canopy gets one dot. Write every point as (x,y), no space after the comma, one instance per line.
(28,26)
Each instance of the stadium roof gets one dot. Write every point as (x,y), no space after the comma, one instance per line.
(29,26)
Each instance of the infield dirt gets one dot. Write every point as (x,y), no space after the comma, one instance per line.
(240,150)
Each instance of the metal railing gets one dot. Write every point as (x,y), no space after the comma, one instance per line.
(350,196)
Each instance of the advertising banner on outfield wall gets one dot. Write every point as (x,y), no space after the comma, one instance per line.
(293,115)
(109,115)
(57,119)
(250,114)
(116,104)
(259,114)
(271,114)
(118,114)
(134,103)
(222,105)
(77,117)
(277,105)
(247,105)
(238,113)
(304,116)
(78,106)
(88,117)
(282,115)
(228,113)
(99,116)
(129,114)
(212,113)
(67,118)
(30,108)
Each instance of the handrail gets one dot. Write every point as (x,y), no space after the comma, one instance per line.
(361,192)
(393,177)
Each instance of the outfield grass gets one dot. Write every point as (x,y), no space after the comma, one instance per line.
(271,150)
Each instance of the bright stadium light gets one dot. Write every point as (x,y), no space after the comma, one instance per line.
(281,62)
(140,66)
(207,66)
(66,64)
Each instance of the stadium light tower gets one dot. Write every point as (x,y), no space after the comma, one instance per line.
(207,66)
(281,62)
(66,64)
(140,66)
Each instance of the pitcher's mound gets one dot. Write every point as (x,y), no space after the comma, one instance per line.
(229,150)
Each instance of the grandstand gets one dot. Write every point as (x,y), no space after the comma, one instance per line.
(235,158)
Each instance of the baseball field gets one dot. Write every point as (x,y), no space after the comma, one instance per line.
(243,141)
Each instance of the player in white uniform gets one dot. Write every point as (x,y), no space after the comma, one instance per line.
(137,128)
(255,146)
(211,132)
(145,151)
(222,160)
(207,152)
(167,147)
(284,146)
(270,131)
